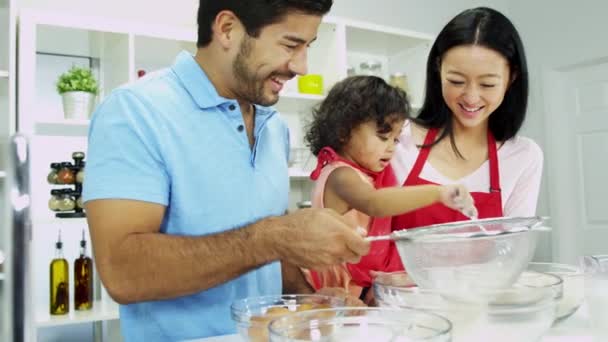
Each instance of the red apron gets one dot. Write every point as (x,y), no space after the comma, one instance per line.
(489,204)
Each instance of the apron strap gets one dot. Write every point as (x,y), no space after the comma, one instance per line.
(422,155)
(493,159)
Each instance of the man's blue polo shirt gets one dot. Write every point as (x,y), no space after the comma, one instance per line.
(171,139)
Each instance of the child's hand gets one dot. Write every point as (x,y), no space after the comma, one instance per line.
(458,197)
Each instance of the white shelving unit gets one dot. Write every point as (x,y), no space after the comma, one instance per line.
(62,127)
(8,55)
(102,311)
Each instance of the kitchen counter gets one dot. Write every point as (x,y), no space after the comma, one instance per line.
(575,328)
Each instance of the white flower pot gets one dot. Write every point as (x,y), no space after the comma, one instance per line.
(78,104)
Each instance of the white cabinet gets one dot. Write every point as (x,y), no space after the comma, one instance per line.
(8,78)
(117,51)
(7,107)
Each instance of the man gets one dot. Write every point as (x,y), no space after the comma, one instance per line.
(187,178)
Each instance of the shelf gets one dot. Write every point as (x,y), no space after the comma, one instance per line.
(102,310)
(78,128)
(71,223)
(296,102)
(299,174)
(381,40)
(3,74)
(299,96)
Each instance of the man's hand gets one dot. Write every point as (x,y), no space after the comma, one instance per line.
(318,238)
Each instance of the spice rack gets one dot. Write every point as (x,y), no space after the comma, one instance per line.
(67,202)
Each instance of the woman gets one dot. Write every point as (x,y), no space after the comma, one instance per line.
(466,132)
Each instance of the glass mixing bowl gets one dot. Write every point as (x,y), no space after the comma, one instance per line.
(252,315)
(361,324)
(523,312)
(574,286)
(468,255)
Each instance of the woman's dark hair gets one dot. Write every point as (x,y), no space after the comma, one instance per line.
(254,14)
(488,28)
(351,102)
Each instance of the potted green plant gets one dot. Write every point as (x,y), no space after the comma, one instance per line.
(78,89)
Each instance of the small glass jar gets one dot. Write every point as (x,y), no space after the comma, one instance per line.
(80,175)
(55,200)
(65,174)
(350,71)
(67,201)
(371,68)
(399,80)
(53,178)
(79,203)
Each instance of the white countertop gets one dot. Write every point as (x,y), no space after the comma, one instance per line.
(574,329)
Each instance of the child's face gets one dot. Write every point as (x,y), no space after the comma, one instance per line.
(372,147)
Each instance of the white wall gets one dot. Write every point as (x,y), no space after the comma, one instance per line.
(427,16)
(420,15)
(556,34)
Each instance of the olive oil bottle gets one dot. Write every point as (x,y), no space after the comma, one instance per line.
(83,278)
(59,282)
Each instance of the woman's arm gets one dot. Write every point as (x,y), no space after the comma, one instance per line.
(524,197)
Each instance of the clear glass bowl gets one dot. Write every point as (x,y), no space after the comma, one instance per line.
(523,312)
(574,286)
(458,259)
(361,324)
(252,315)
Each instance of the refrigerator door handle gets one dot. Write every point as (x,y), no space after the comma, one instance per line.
(20,325)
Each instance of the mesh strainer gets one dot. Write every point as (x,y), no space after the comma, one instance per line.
(469,255)
(468,229)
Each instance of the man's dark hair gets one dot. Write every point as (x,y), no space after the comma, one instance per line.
(254,14)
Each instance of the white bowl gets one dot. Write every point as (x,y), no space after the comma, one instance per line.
(574,286)
(520,313)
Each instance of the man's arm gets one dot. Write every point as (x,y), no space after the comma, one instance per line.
(137,263)
(294,280)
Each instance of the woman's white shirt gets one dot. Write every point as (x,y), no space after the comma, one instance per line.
(520,162)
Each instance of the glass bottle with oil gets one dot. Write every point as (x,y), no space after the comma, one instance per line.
(59,282)
(83,278)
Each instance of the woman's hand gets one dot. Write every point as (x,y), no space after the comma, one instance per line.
(458,198)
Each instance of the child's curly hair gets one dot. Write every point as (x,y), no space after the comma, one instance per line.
(351,102)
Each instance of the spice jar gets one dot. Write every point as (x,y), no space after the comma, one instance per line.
(79,203)
(65,174)
(399,80)
(371,68)
(53,178)
(54,201)
(350,71)
(67,201)
(80,175)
